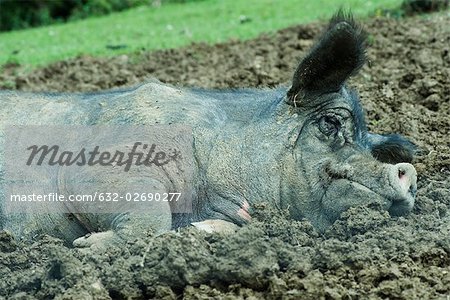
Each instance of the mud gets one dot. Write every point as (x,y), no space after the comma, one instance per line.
(366,254)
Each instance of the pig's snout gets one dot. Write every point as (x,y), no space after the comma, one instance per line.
(407,178)
(403,178)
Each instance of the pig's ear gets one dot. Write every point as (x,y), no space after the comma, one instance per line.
(339,54)
(391,148)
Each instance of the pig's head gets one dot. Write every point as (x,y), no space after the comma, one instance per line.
(335,163)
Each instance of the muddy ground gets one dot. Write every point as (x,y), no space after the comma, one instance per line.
(366,254)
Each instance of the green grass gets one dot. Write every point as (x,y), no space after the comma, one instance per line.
(169,26)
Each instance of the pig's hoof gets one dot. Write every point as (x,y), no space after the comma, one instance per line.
(219,226)
(97,240)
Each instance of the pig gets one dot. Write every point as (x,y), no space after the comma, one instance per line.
(305,149)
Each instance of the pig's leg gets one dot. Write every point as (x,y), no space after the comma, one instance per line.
(222,226)
(117,228)
(128,217)
(28,220)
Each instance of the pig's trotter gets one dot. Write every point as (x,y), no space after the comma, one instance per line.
(98,240)
(219,226)
(222,226)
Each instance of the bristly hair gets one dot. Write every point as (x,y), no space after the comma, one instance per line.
(339,53)
(361,35)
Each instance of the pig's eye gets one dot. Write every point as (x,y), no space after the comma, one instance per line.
(329,125)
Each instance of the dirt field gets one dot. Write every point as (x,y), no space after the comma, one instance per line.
(366,254)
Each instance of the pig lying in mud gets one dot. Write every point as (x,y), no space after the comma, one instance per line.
(305,149)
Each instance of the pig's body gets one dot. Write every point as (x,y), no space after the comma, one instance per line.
(307,150)
(220,122)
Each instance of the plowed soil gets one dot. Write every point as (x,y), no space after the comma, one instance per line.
(405,88)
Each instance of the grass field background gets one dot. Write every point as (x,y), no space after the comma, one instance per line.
(169,26)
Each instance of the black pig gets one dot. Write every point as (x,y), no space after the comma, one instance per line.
(306,149)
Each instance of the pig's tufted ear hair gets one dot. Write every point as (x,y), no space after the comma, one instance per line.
(338,54)
(391,148)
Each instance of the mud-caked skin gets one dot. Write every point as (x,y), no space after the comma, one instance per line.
(306,149)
